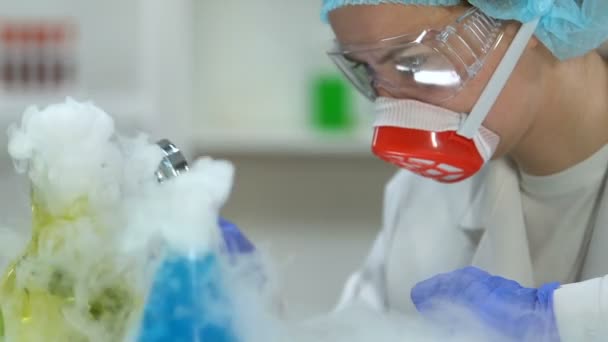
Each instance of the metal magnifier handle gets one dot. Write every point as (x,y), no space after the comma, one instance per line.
(173,164)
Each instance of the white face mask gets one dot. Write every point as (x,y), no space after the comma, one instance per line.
(422,116)
(427,142)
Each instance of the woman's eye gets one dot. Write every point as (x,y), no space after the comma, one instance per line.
(363,67)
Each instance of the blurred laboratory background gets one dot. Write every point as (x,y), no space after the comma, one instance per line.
(248,81)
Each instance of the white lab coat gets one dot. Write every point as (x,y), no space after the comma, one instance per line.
(431,228)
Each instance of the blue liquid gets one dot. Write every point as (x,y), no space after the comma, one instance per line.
(188,303)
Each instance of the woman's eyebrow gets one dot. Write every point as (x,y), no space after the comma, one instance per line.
(369,58)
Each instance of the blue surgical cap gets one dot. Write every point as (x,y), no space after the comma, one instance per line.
(569,28)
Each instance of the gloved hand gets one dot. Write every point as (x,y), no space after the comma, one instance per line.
(518,313)
(235,240)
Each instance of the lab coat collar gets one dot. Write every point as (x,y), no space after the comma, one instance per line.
(503,248)
(476,216)
(595,262)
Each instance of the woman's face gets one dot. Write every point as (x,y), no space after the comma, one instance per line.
(515,109)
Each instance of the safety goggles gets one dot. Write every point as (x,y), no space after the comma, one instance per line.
(431,66)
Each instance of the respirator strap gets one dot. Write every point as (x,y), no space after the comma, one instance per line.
(488,97)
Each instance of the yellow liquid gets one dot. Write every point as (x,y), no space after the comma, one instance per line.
(59,305)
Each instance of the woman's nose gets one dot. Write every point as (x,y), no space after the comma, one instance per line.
(381,92)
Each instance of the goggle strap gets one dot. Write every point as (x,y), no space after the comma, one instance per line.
(472,123)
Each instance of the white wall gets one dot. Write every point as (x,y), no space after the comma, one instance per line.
(231,78)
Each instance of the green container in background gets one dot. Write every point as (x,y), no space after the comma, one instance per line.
(332,103)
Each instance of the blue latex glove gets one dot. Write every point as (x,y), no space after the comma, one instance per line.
(519,313)
(235,240)
(188,302)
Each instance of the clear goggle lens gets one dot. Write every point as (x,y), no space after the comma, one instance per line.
(432,66)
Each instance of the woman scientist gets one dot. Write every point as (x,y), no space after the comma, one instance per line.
(498,112)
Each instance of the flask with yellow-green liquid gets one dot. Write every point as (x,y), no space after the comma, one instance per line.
(67,286)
